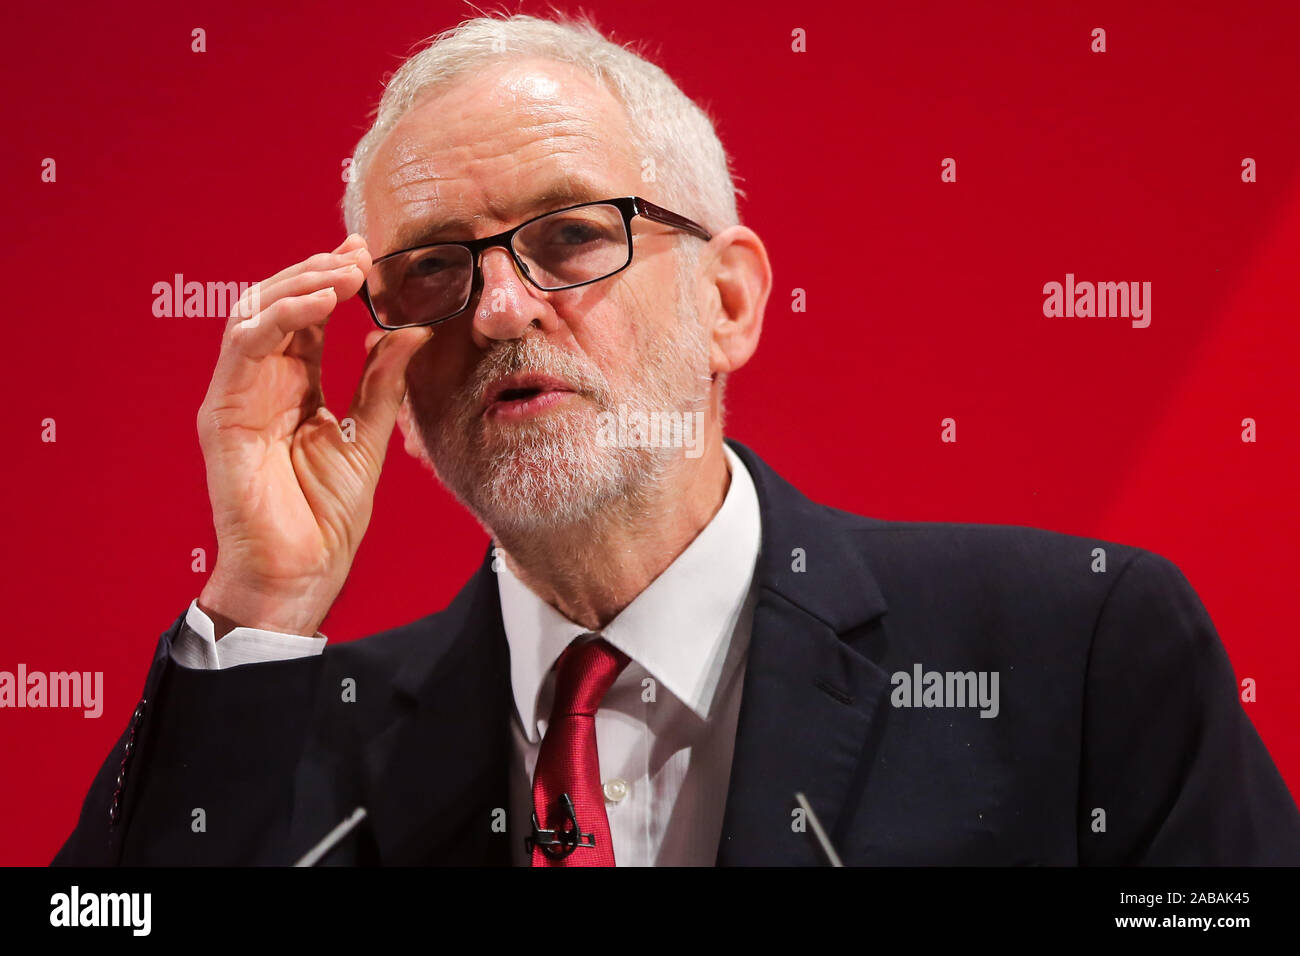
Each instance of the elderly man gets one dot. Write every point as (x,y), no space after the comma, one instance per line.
(665,642)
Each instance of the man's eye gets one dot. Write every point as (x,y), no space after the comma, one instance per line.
(575,234)
(427,266)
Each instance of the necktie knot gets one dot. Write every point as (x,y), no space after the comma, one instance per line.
(584,674)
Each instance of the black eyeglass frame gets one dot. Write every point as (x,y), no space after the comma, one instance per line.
(629,206)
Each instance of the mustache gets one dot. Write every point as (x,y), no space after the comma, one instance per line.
(530,356)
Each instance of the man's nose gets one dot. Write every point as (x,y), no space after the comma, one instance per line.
(507,304)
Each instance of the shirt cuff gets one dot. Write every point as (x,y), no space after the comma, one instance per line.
(196,645)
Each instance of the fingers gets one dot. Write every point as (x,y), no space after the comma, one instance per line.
(288,312)
(352,249)
(353,241)
(249,343)
(345,268)
(345,278)
(382,387)
(264,333)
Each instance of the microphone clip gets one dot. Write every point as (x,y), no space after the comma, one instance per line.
(558,844)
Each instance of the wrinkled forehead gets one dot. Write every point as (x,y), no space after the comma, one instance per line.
(494,148)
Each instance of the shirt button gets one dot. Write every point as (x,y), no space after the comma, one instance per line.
(615,789)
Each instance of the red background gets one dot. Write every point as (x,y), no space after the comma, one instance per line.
(924,298)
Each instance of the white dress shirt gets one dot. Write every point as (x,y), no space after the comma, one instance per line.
(666,729)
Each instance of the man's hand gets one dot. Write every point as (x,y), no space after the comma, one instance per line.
(291,498)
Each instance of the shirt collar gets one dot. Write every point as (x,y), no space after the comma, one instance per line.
(678,629)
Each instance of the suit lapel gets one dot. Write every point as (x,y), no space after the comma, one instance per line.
(435,780)
(810,700)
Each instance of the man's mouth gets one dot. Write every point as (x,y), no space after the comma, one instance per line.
(522,396)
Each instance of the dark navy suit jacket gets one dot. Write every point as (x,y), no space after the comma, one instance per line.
(1119,736)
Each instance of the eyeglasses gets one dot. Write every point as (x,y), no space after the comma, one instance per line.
(564,249)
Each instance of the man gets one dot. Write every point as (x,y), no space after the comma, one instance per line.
(665,642)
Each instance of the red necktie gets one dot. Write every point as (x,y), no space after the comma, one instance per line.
(571,828)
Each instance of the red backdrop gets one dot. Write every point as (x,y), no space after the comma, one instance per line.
(924,298)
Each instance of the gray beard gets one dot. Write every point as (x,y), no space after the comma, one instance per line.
(552,473)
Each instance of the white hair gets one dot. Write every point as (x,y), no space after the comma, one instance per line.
(691,168)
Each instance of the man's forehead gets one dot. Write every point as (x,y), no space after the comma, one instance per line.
(515,141)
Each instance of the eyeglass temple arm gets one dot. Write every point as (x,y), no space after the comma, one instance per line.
(660,214)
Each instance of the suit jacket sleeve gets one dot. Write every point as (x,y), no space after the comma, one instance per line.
(1169,753)
(225,742)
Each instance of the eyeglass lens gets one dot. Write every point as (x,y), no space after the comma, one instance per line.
(564,249)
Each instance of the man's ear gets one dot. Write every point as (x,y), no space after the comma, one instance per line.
(739,280)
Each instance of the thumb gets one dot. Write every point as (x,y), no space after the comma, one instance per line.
(381,389)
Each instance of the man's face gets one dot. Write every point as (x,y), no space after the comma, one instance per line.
(500,147)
